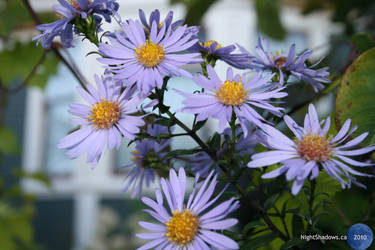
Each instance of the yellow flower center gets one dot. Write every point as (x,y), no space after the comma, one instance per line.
(150,54)
(314,148)
(232,93)
(182,227)
(104,114)
(208,44)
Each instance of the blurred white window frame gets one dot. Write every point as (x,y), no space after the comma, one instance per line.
(227,22)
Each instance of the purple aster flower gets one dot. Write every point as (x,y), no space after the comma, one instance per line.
(103,122)
(147,161)
(311,149)
(135,58)
(213,50)
(234,95)
(68,11)
(155,17)
(188,225)
(289,63)
(203,163)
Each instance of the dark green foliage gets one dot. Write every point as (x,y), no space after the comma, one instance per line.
(268,18)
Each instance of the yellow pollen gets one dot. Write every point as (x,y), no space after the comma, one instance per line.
(232,93)
(182,227)
(208,44)
(314,148)
(150,54)
(104,114)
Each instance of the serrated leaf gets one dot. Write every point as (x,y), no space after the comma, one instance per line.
(355,97)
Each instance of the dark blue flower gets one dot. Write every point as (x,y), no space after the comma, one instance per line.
(68,10)
(289,64)
(147,160)
(214,50)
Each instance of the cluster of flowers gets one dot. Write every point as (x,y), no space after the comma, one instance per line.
(138,59)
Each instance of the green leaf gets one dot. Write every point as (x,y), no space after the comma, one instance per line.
(199,125)
(270,201)
(325,183)
(256,242)
(19,60)
(38,176)
(8,141)
(196,9)
(292,243)
(167,122)
(11,16)
(297,225)
(333,85)
(269,18)
(214,143)
(15,227)
(179,152)
(363,42)
(252,225)
(355,97)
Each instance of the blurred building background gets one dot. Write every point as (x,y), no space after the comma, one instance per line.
(84,208)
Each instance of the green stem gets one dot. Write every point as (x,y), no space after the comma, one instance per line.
(54,48)
(164,109)
(266,218)
(204,69)
(233,128)
(282,220)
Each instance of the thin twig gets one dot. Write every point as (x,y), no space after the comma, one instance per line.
(74,71)
(29,76)
(54,48)
(282,220)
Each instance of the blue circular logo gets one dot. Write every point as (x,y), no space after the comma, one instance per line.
(359,236)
